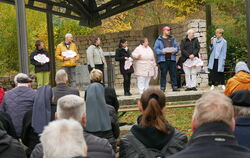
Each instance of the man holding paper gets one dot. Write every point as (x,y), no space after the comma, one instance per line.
(166,48)
(67,53)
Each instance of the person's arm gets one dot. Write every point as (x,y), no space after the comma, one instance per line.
(183,51)
(224,50)
(176,46)
(90,56)
(157,48)
(37,151)
(115,124)
(119,56)
(136,54)
(103,58)
(33,61)
(59,53)
(197,47)
(229,87)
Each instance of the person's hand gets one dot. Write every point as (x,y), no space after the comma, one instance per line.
(66,58)
(75,59)
(126,58)
(164,53)
(212,40)
(191,56)
(178,67)
(42,63)
(172,53)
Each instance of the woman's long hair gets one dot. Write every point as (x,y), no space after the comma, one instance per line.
(153,102)
(122,41)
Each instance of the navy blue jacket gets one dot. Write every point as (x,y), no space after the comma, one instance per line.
(213,140)
(242,131)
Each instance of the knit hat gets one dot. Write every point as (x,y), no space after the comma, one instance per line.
(241,98)
(241,66)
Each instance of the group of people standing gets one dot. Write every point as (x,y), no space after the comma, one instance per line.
(142,60)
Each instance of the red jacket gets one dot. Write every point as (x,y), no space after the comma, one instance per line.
(1,95)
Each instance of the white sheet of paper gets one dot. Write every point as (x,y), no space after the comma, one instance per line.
(69,54)
(41,58)
(197,62)
(169,49)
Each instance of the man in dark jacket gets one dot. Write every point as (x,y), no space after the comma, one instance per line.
(212,124)
(167,58)
(18,101)
(190,48)
(9,147)
(62,88)
(42,68)
(241,104)
(72,106)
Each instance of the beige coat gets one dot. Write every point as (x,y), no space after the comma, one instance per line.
(144,61)
(95,56)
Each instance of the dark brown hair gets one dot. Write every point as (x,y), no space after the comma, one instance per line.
(122,41)
(38,43)
(93,40)
(153,101)
(143,40)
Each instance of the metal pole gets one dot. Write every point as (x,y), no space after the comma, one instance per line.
(22,36)
(51,48)
(248,29)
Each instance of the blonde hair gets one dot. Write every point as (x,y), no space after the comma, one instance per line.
(64,139)
(213,107)
(96,75)
(219,30)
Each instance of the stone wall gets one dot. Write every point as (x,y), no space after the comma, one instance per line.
(110,43)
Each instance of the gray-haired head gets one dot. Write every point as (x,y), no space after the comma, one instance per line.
(68,35)
(61,76)
(71,106)
(190,31)
(64,139)
(241,66)
(22,78)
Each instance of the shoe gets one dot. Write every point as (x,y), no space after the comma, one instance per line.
(212,88)
(188,89)
(223,87)
(163,90)
(194,89)
(176,90)
(127,94)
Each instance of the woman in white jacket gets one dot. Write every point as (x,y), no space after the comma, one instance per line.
(144,65)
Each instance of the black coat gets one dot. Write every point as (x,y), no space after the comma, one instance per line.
(213,140)
(9,147)
(61,90)
(38,66)
(8,126)
(111,98)
(97,148)
(120,55)
(190,47)
(150,137)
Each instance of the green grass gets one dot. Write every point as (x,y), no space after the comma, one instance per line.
(180,118)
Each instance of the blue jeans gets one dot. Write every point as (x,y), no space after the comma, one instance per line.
(165,67)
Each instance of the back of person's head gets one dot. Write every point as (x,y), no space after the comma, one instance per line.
(61,76)
(96,75)
(22,79)
(63,139)
(213,107)
(152,103)
(71,106)
(241,66)
(241,103)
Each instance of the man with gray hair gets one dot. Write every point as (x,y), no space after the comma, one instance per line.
(63,139)
(72,106)
(241,104)
(213,124)
(19,100)
(62,87)
(67,54)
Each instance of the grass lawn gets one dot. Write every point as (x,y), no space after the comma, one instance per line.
(180,118)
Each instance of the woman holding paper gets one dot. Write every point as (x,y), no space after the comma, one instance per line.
(40,59)
(126,68)
(190,48)
(144,65)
